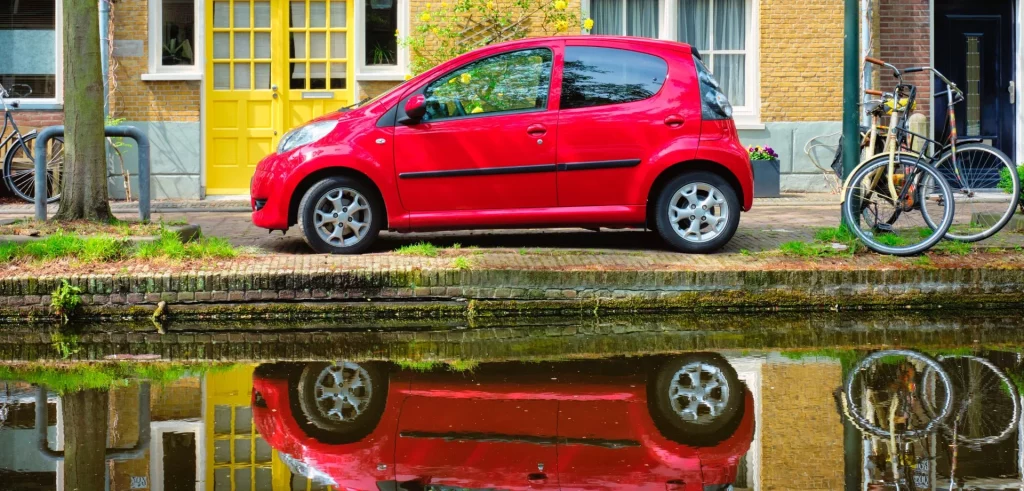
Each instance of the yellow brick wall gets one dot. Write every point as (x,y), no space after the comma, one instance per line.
(801,433)
(801,60)
(131,97)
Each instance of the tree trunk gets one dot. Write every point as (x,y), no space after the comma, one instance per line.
(85,439)
(84,188)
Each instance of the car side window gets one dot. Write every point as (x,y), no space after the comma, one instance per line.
(512,81)
(602,76)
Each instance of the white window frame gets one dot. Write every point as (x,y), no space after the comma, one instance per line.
(747,116)
(33,103)
(157,71)
(380,72)
(156,450)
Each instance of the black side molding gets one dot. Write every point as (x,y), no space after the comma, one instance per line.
(601,164)
(487,171)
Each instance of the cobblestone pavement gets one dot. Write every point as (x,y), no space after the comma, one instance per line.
(770,223)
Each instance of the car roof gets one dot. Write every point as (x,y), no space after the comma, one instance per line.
(636,41)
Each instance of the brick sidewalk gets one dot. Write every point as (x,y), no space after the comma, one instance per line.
(770,223)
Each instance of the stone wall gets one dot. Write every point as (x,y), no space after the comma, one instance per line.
(801,433)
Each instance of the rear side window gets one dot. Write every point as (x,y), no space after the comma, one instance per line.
(603,76)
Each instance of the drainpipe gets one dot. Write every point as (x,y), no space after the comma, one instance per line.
(105,53)
(867,10)
(851,86)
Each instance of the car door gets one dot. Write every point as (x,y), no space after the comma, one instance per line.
(614,114)
(477,432)
(487,139)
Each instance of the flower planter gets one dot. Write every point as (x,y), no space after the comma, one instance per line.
(766,178)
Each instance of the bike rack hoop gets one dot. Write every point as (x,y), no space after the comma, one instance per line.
(132,132)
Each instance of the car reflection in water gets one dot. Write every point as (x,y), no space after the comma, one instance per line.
(682,422)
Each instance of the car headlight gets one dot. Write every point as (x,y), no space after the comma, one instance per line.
(303,469)
(304,135)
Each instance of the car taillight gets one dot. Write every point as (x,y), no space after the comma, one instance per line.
(714,105)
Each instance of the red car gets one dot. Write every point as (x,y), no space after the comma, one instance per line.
(680,423)
(586,131)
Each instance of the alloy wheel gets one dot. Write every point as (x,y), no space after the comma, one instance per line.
(698,212)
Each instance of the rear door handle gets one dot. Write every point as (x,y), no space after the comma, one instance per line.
(537,478)
(536,130)
(674,121)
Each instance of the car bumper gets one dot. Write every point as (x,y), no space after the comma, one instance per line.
(269,201)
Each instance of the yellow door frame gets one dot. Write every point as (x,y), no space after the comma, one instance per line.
(250,102)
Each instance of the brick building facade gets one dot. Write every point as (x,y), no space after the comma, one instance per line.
(216,83)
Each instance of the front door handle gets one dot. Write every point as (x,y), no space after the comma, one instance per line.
(674,121)
(537,478)
(536,130)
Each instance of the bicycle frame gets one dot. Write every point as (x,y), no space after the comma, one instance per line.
(16,133)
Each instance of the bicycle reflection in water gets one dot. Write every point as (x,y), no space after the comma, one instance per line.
(910,406)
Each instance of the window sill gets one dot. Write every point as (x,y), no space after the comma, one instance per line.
(26,105)
(157,77)
(380,77)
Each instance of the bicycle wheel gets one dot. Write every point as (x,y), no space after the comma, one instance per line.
(982,207)
(897,226)
(892,377)
(20,170)
(986,405)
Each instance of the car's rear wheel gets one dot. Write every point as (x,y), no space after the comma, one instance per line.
(344,401)
(340,215)
(696,399)
(697,212)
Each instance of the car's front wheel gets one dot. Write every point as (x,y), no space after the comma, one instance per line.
(697,212)
(696,399)
(340,215)
(342,402)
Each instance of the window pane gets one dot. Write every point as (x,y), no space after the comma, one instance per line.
(298,17)
(28,60)
(317,45)
(338,45)
(241,13)
(263,75)
(179,462)
(317,13)
(242,79)
(262,49)
(242,45)
(381,24)
(222,81)
(221,46)
(338,76)
(298,45)
(261,14)
(221,451)
(730,24)
(642,18)
(505,82)
(607,15)
(730,71)
(693,23)
(298,78)
(221,14)
(338,14)
(317,76)
(179,20)
(601,76)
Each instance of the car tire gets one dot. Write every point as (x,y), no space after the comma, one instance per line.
(334,196)
(707,419)
(361,409)
(693,189)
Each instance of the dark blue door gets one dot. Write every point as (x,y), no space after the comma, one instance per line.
(974,48)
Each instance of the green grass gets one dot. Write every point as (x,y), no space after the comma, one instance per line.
(922,261)
(822,244)
(461,264)
(839,234)
(65,299)
(429,365)
(108,248)
(418,249)
(891,240)
(63,379)
(954,247)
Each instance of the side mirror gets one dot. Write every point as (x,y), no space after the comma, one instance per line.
(415,108)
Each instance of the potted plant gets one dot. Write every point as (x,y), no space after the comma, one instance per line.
(765,162)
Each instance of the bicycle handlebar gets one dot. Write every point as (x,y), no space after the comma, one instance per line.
(874,92)
(874,61)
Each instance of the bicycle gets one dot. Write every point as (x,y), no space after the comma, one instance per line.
(987,407)
(19,171)
(888,195)
(972,168)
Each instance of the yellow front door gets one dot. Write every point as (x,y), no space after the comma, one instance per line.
(271,65)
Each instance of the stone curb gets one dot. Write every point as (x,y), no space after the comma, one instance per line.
(515,292)
(187,233)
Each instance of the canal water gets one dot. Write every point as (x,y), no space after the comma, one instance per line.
(714,402)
